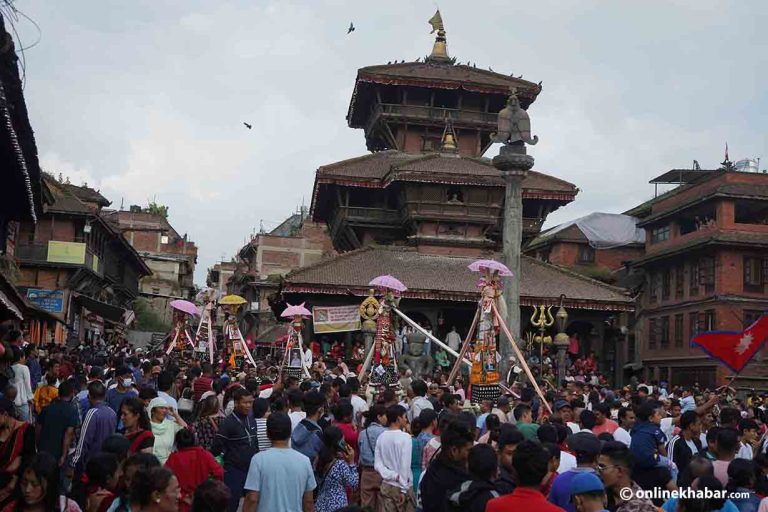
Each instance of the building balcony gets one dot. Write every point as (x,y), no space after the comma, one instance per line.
(54,253)
(434,115)
(532,225)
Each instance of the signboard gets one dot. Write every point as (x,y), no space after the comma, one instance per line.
(336,318)
(49,300)
(66,252)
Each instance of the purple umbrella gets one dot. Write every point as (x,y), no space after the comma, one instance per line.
(185,307)
(388,282)
(292,311)
(480,265)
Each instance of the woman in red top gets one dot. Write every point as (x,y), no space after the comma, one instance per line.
(343,412)
(137,427)
(192,466)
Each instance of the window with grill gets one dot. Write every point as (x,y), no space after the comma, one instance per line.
(660,234)
(706,321)
(653,333)
(653,289)
(694,279)
(693,324)
(753,274)
(679,282)
(707,274)
(586,254)
(664,334)
(666,284)
(679,335)
(751,316)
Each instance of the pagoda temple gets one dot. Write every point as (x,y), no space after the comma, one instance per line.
(424,203)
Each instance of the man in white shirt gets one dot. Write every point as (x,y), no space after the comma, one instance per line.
(359,405)
(296,404)
(392,460)
(748,429)
(420,402)
(453,339)
(626,422)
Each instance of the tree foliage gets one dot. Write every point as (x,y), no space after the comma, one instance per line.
(157,209)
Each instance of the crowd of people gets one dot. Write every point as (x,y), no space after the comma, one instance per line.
(91,430)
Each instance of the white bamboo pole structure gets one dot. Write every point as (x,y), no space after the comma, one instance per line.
(520,357)
(431,337)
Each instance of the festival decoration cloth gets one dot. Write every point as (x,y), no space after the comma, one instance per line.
(185,307)
(734,349)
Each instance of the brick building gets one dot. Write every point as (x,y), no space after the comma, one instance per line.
(705,269)
(297,242)
(171,257)
(75,265)
(596,245)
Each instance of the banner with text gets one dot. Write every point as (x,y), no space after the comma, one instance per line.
(336,318)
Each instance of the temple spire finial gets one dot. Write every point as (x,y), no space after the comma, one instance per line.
(440,48)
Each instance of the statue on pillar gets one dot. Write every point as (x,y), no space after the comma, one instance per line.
(514,125)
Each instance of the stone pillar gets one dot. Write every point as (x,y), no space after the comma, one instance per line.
(514,164)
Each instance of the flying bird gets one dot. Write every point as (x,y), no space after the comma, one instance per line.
(247,125)
(351,28)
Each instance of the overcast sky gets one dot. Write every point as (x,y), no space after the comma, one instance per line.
(147,99)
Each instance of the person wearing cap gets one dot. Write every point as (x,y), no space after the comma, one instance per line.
(565,410)
(531,464)
(586,447)
(588,493)
(614,466)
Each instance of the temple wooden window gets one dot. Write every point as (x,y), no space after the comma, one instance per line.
(454,195)
(666,284)
(586,254)
(679,281)
(652,333)
(751,316)
(664,334)
(753,274)
(679,335)
(660,234)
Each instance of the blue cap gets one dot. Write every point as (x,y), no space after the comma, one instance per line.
(583,483)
